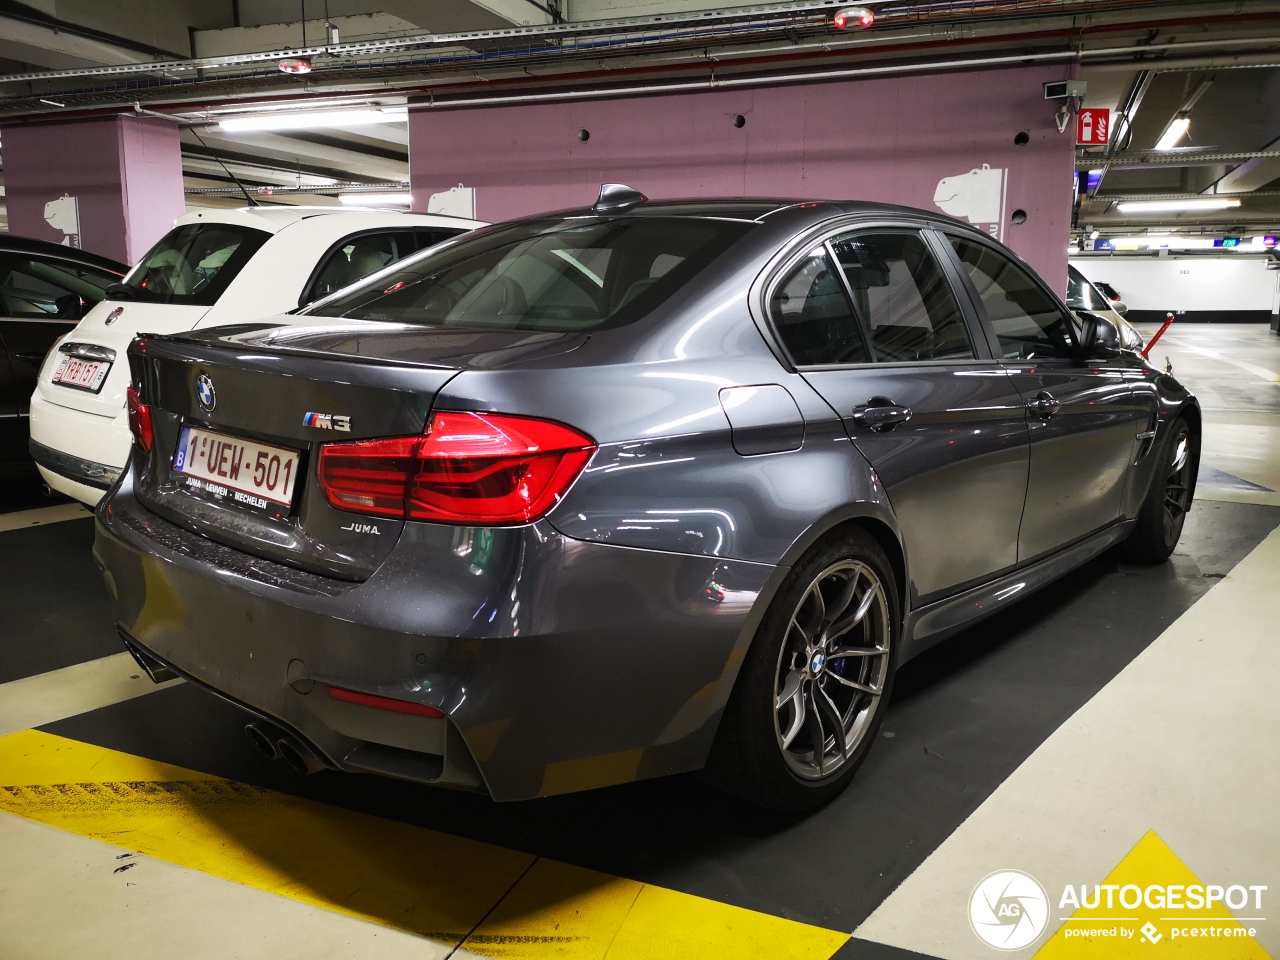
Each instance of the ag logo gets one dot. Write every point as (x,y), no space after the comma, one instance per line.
(205,393)
(1008,909)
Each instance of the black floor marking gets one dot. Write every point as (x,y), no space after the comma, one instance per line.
(857,949)
(54,607)
(982,702)
(1220,478)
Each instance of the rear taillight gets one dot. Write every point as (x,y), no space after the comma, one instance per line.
(472,468)
(140,421)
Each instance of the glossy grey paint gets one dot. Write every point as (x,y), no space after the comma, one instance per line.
(564,664)
(600,644)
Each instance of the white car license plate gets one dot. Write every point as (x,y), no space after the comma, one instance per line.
(252,473)
(81,374)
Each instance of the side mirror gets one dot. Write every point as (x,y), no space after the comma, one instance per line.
(1120,307)
(1098,335)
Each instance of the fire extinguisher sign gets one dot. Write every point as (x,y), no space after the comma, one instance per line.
(1093,128)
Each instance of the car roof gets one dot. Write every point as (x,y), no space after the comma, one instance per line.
(273,219)
(758,209)
(48,248)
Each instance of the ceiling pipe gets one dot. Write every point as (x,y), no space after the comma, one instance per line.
(1097,57)
(797,10)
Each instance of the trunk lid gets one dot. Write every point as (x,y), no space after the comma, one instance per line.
(296,388)
(103,327)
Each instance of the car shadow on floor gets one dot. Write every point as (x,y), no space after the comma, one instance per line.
(964,715)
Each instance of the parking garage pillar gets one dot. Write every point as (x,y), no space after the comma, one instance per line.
(112,186)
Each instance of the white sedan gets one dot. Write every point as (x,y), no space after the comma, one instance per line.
(214,267)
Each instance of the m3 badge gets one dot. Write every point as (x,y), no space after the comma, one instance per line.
(327,421)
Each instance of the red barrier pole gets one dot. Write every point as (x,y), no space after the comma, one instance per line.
(1159,334)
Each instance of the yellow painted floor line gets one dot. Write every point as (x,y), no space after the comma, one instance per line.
(58,694)
(22,519)
(410,878)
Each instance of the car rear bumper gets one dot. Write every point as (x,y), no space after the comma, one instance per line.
(560,665)
(77,451)
(87,473)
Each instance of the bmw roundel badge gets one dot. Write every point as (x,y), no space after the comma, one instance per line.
(205,393)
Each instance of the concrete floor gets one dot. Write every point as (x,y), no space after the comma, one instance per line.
(1051,739)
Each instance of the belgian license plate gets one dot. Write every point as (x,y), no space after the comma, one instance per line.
(255,474)
(81,374)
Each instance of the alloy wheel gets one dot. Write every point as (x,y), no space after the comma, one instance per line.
(832,669)
(1177,485)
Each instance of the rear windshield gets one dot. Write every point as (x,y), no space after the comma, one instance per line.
(194,264)
(548,275)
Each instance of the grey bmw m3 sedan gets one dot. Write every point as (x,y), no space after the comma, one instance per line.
(628,491)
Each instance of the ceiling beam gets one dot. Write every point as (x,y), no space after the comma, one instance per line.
(523,13)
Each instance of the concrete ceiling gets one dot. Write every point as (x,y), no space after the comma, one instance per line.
(1217,63)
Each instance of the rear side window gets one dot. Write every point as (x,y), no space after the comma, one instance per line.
(1028,323)
(812,316)
(195,263)
(560,275)
(357,257)
(903,295)
(430,236)
(1081,294)
(50,289)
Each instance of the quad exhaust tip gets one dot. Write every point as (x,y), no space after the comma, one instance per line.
(275,745)
(262,741)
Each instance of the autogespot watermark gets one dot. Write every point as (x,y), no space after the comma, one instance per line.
(1009,910)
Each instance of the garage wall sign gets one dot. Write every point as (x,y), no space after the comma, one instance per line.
(1093,127)
(977,196)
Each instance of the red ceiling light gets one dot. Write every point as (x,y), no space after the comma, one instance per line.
(294,64)
(853,18)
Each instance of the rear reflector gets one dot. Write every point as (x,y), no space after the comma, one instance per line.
(468,468)
(384,703)
(139,420)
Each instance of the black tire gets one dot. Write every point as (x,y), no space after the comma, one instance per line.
(752,758)
(1164,510)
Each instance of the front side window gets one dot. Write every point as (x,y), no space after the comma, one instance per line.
(812,316)
(50,289)
(194,264)
(904,297)
(561,275)
(1028,323)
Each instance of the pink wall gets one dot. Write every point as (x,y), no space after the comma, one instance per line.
(893,139)
(112,186)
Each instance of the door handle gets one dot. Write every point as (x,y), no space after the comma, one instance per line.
(880,414)
(1043,405)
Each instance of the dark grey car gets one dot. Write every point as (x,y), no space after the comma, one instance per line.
(629,491)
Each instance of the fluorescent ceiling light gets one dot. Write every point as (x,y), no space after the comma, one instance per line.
(1175,206)
(1175,131)
(313,120)
(376,199)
